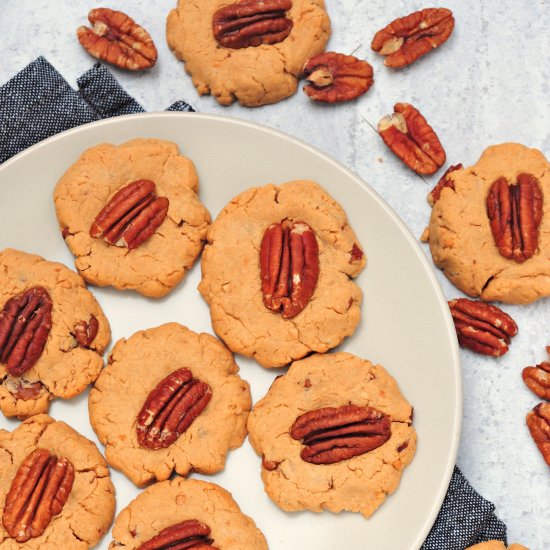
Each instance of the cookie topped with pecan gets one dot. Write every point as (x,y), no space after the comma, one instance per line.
(490,225)
(169,400)
(131,215)
(277,273)
(52,333)
(334,433)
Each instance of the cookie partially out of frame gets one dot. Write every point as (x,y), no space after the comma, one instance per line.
(496,545)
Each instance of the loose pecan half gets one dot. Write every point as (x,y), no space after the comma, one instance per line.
(515,213)
(116,38)
(181,536)
(482,327)
(252,23)
(131,216)
(408,38)
(25,323)
(38,492)
(412,139)
(538,422)
(171,408)
(537,379)
(85,332)
(336,77)
(289,266)
(444,181)
(333,434)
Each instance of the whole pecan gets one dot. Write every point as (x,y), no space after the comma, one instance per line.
(289,266)
(336,77)
(116,38)
(537,379)
(482,327)
(408,38)
(252,23)
(538,422)
(444,181)
(85,332)
(38,492)
(171,408)
(131,215)
(187,534)
(333,434)
(412,139)
(515,213)
(25,323)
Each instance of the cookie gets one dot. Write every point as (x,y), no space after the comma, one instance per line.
(58,350)
(334,433)
(462,241)
(78,505)
(245,312)
(496,545)
(254,75)
(169,368)
(207,509)
(131,215)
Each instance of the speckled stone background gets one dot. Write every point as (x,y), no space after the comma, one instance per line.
(490,83)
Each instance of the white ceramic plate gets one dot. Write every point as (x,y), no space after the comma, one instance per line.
(406,326)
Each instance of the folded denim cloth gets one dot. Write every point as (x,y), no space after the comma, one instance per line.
(38,103)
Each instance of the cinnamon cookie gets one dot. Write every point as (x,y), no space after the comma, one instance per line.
(490,225)
(277,271)
(182,510)
(131,215)
(55,489)
(496,545)
(169,399)
(52,333)
(250,51)
(334,433)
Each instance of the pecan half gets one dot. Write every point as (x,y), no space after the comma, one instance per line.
(333,434)
(171,408)
(444,181)
(515,213)
(131,216)
(537,379)
(252,23)
(116,38)
(336,77)
(24,389)
(538,422)
(187,534)
(85,332)
(412,139)
(482,327)
(25,323)
(408,38)
(289,266)
(38,492)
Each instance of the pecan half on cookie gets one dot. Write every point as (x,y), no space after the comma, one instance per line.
(187,534)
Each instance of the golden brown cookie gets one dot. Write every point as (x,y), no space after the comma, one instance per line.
(496,545)
(169,368)
(460,235)
(156,265)
(57,350)
(170,503)
(254,75)
(232,279)
(77,480)
(367,437)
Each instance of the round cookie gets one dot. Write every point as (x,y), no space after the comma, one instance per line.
(65,366)
(171,502)
(231,279)
(357,484)
(252,75)
(157,265)
(90,507)
(135,369)
(496,545)
(460,236)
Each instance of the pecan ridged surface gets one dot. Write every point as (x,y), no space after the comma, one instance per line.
(408,38)
(38,492)
(538,422)
(289,267)
(537,379)
(444,181)
(333,434)
(170,408)
(25,323)
(189,534)
(85,332)
(252,23)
